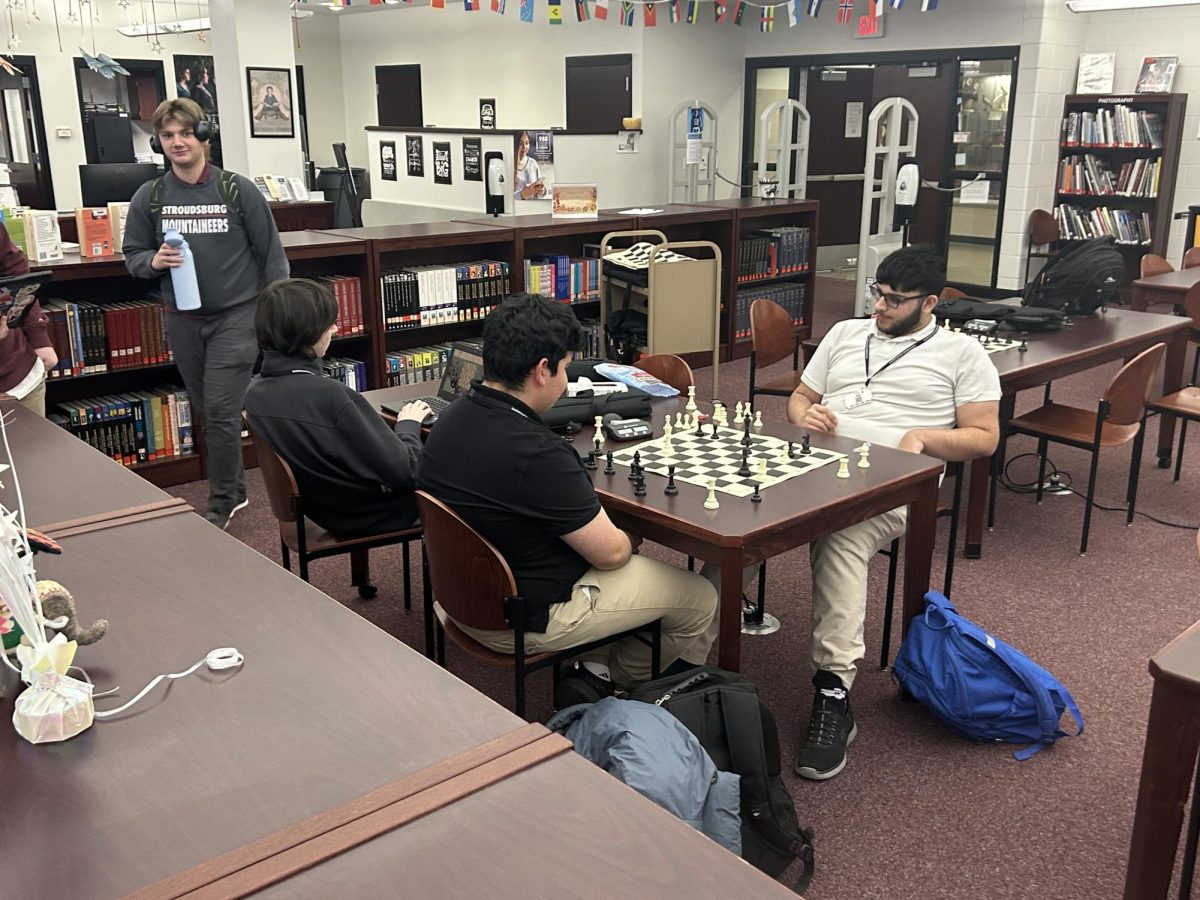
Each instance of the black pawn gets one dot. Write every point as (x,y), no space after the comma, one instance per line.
(699,427)
(598,446)
(804,448)
(636,466)
(639,486)
(1024,343)
(591,460)
(713,436)
(744,471)
(756,497)
(670,490)
(609,468)
(791,450)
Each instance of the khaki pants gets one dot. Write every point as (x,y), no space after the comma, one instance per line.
(606,602)
(839,595)
(35,400)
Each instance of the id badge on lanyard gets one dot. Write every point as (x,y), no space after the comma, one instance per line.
(861,396)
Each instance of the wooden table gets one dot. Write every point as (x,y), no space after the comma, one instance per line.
(1168,766)
(63,478)
(793,513)
(325,708)
(1170,287)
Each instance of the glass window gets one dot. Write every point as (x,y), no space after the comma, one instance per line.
(770,86)
(971,249)
(984,89)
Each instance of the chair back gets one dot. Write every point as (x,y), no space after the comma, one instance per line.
(470,578)
(1043,228)
(772,333)
(1153,264)
(1191,305)
(1129,391)
(277,476)
(1191,258)
(668,369)
(950,293)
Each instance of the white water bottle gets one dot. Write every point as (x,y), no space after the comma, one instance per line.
(183,278)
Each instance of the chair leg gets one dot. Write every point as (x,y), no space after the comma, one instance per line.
(360,573)
(692,562)
(997,470)
(885,642)
(302,558)
(656,649)
(407,578)
(286,554)
(1183,424)
(1135,468)
(1196,364)
(1091,492)
(952,545)
(1043,446)
(757,615)
(519,673)
(441,645)
(427,591)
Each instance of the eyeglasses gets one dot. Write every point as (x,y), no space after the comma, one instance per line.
(893,301)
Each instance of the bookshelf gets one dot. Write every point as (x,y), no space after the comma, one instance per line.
(1117,162)
(104,283)
(289,216)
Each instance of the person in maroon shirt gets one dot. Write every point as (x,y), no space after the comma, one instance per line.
(26,354)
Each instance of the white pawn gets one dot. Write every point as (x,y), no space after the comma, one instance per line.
(762,468)
(739,413)
(721,414)
(710,502)
(863,452)
(758,418)
(843,468)
(668,449)
(691,404)
(679,420)
(599,423)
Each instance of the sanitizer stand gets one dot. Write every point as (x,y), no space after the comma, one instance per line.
(778,123)
(891,137)
(688,179)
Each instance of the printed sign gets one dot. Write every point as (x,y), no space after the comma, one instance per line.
(472,159)
(441,162)
(387,160)
(414,152)
(487,113)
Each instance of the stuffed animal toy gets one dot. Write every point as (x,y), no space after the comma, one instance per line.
(58,608)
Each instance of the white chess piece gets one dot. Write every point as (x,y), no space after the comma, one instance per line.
(691,404)
(599,438)
(762,468)
(710,502)
(758,418)
(843,468)
(863,452)
(668,449)
(679,420)
(721,415)
(739,413)
(668,429)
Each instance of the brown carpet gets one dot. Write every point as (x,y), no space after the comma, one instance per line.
(918,812)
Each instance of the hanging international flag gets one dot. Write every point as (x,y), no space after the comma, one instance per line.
(739,10)
(928,5)
(436,4)
(650,16)
(627,10)
(554,9)
(376,2)
(767,22)
(795,13)
(601,12)
(498,6)
(814,8)
(582,13)
(673,10)
(527,10)
(875,8)
(468,5)
(693,12)
(720,12)
(845,12)
(897,4)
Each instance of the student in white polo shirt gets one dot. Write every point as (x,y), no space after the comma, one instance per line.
(900,380)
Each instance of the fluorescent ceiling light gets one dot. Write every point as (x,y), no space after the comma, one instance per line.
(1078,6)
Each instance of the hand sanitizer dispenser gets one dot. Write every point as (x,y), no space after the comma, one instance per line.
(493,163)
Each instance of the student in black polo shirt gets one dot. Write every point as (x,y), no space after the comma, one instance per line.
(523,488)
(356,475)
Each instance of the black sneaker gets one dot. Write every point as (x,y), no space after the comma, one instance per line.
(579,684)
(830,729)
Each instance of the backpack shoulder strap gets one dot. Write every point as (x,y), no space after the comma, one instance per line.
(230,193)
(156,196)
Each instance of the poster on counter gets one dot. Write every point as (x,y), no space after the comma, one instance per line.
(387,160)
(414,153)
(575,201)
(441,162)
(472,159)
(533,171)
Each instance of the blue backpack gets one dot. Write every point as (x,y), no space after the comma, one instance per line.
(979,686)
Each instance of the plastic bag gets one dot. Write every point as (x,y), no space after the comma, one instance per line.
(53,708)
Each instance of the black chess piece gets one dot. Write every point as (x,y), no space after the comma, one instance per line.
(744,471)
(805,449)
(639,486)
(591,460)
(699,427)
(1024,342)
(756,497)
(598,445)
(791,450)
(671,490)
(636,465)
(713,436)
(609,468)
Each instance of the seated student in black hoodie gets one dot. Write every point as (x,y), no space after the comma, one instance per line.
(356,475)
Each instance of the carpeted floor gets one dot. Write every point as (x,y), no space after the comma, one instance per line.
(919,813)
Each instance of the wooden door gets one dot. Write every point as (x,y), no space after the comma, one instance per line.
(830,152)
(398,96)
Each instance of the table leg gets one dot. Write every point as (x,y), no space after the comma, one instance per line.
(918,548)
(977,494)
(1172,738)
(729,609)
(1138,300)
(1172,381)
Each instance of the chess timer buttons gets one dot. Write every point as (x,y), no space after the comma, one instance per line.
(627,429)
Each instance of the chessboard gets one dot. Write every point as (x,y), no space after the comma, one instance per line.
(994,343)
(701,459)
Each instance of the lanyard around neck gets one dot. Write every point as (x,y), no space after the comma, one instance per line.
(903,353)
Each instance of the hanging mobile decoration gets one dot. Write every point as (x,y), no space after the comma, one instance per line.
(72,16)
(200,36)
(156,46)
(57,29)
(13,41)
(92,21)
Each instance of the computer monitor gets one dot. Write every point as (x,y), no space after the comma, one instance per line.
(104,183)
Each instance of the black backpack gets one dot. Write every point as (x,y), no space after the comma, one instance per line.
(723,710)
(1008,318)
(1079,279)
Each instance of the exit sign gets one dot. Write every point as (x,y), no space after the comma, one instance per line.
(870,26)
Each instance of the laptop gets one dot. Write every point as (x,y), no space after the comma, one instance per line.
(464,365)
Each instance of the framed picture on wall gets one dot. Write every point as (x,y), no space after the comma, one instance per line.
(1157,75)
(269,92)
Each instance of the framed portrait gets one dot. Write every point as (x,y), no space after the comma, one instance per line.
(269,92)
(1157,75)
(1096,72)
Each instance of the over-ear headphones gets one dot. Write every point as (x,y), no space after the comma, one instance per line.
(203,131)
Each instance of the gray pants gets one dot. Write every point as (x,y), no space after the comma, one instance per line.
(215,355)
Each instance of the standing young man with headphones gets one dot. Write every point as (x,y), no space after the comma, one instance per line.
(232,235)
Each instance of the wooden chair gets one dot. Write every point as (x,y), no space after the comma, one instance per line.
(1185,403)
(951,293)
(773,336)
(944,511)
(668,369)
(474,586)
(308,541)
(1118,419)
(1153,264)
(1191,258)
(1043,232)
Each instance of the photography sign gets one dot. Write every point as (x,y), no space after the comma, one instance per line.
(441,162)
(472,159)
(414,153)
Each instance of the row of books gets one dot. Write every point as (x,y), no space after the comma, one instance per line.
(90,337)
(100,230)
(420,296)
(35,231)
(1088,174)
(1117,126)
(416,365)
(350,372)
(136,427)
(788,294)
(571,279)
(1126,225)
(593,339)
(347,289)
(772,252)
(278,187)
